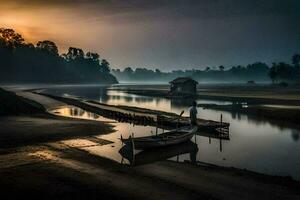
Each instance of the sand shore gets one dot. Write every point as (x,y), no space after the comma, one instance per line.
(37,162)
(56,170)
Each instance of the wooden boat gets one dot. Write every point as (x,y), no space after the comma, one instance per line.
(173,137)
(162,153)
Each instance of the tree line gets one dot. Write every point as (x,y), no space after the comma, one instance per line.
(257,72)
(286,72)
(23,62)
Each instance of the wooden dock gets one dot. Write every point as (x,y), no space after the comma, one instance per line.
(141,116)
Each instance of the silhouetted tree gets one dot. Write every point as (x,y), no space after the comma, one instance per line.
(93,56)
(296,60)
(285,72)
(47,46)
(74,54)
(104,67)
(273,73)
(24,62)
(10,38)
(221,68)
(128,70)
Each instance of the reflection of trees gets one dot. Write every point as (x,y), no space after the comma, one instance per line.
(178,103)
(295,135)
(144,99)
(92,115)
(78,112)
(256,119)
(114,97)
(103,96)
(128,99)
(236,115)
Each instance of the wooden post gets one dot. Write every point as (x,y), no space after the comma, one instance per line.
(132,142)
(221,119)
(162,125)
(156,125)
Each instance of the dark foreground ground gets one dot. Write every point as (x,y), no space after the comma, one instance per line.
(58,171)
(46,157)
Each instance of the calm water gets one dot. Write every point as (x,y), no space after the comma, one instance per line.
(254,144)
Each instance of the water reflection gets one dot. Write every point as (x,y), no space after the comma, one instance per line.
(255,144)
(75,112)
(124,153)
(182,103)
(295,135)
(158,154)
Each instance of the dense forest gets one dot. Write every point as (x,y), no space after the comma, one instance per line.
(256,72)
(23,62)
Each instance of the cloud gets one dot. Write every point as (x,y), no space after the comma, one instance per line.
(169,33)
(180,8)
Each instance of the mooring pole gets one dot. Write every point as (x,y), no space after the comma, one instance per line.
(156,125)
(162,125)
(221,119)
(132,142)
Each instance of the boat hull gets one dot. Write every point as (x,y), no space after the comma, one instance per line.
(166,139)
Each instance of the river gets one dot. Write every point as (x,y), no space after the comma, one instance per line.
(254,144)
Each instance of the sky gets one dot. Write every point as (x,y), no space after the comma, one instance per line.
(164,34)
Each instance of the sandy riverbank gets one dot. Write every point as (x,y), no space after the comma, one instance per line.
(27,130)
(24,121)
(54,165)
(56,170)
